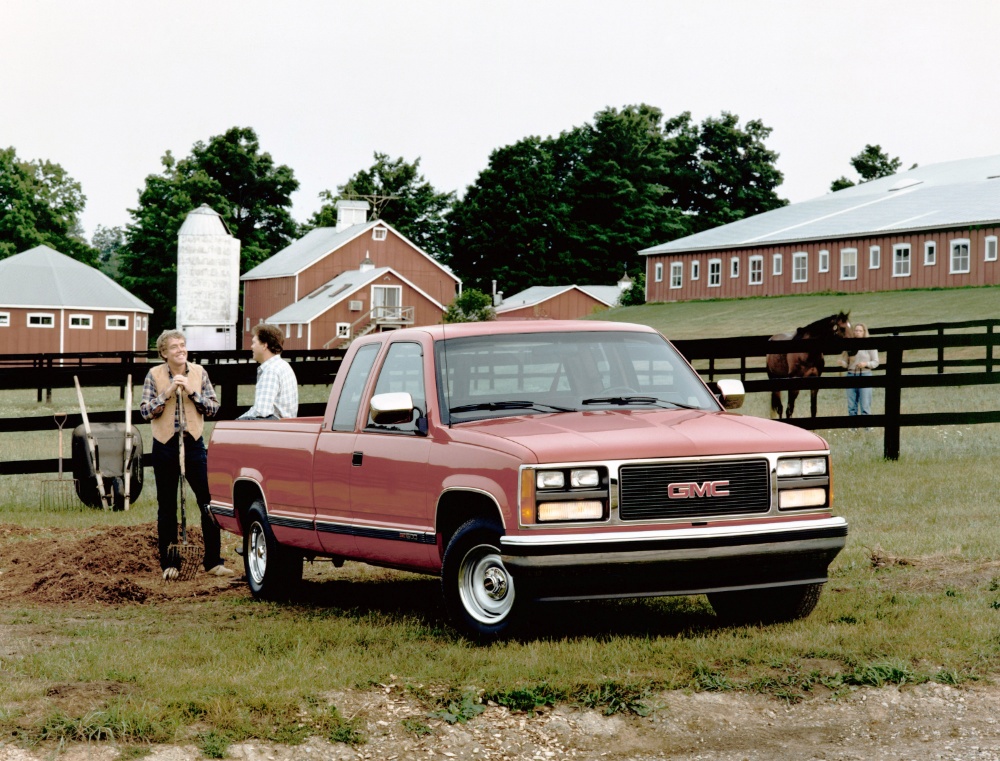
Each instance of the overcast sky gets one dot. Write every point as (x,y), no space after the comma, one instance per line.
(105,88)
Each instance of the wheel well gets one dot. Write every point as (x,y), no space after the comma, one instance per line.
(245,493)
(456,507)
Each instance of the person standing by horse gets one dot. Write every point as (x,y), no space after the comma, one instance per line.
(861,362)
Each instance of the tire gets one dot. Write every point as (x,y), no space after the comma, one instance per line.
(479,592)
(766,606)
(273,571)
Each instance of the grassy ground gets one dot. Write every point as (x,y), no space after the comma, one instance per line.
(914,597)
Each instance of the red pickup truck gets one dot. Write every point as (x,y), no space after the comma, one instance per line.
(534,461)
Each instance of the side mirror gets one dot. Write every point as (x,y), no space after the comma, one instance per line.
(731,393)
(393,408)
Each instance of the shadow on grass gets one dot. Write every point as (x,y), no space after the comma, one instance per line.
(415,600)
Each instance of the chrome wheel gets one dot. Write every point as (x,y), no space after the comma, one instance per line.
(484,586)
(256,553)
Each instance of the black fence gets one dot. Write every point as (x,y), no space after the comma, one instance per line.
(228,370)
(934,355)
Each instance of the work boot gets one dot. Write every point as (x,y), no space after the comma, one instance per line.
(220,570)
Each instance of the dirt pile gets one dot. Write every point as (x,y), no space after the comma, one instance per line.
(113,566)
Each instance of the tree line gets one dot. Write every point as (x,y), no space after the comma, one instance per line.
(572,208)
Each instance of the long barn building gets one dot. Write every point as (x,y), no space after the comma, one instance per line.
(929,227)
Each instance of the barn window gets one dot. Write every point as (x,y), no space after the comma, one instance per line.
(734,267)
(299,332)
(116,322)
(800,267)
(81,321)
(4,319)
(658,272)
(959,256)
(777,265)
(874,257)
(901,260)
(930,253)
(343,329)
(41,320)
(696,270)
(714,273)
(676,274)
(756,270)
(848,264)
(824,261)
(379,233)
(991,248)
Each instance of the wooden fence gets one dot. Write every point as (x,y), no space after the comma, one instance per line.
(905,351)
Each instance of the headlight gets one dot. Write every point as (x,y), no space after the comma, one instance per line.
(563,494)
(550,479)
(803,466)
(789,499)
(584,510)
(584,479)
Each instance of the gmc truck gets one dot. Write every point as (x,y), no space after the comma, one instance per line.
(534,461)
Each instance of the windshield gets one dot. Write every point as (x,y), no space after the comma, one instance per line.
(536,373)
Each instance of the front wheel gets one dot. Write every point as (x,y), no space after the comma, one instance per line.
(766,606)
(478,590)
(273,571)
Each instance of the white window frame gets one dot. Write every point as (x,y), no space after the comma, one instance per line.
(343,330)
(298,333)
(800,261)
(715,276)
(288,330)
(109,325)
(954,244)
(247,328)
(898,259)
(848,253)
(696,270)
(777,265)
(87,322)
(874,257)
(930,253)
(755,270)
(4,319)
(379,233)
(676,274)
(823,265)
(990,249)
(40,316)
(658,272)
(734,267)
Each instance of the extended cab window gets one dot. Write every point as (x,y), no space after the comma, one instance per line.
(402,371)
(346,415)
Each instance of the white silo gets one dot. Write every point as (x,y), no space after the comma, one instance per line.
(208,281)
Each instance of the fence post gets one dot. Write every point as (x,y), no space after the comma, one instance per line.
(893,393)
(989,348)
(940,354)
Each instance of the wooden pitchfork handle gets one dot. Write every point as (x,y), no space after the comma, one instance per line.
(183,422)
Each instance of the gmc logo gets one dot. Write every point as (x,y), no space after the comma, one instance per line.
(689,489)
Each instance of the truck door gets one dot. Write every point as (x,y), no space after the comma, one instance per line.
(389,477)
(334,453)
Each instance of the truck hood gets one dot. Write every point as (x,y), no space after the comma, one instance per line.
(641,434)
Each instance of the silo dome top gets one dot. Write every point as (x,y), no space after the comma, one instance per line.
(203,221)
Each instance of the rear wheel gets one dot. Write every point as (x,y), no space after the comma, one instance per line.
(766,606)
(478,590)
(273,571)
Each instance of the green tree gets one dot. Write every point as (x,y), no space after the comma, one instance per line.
(109,242)
(578,207)
(401,196)
(40,204)
(230,174)
(635,294)
(870,163)
(471,305)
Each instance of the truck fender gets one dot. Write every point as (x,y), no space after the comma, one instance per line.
(246,490)
(458,504)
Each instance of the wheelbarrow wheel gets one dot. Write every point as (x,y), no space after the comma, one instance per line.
(273,571)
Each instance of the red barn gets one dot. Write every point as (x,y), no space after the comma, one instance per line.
(558,302)
(53,304)
(929,227)
(410,287)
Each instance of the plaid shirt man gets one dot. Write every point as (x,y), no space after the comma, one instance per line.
(277,392)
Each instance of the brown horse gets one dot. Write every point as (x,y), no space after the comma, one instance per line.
(803,364)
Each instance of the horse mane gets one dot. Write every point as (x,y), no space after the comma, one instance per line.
(820,326)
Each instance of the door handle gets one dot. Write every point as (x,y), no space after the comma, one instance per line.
(356,459)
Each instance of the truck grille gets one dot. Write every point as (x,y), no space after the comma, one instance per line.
(644,490)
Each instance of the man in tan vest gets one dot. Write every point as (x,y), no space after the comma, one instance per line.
(165,384)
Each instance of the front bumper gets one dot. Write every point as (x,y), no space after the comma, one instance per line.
(673,562)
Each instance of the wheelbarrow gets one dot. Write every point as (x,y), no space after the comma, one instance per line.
(107,459)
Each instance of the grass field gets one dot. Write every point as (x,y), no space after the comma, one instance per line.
(914,597)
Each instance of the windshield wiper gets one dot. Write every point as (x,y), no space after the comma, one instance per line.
(623,400)
(509,405)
